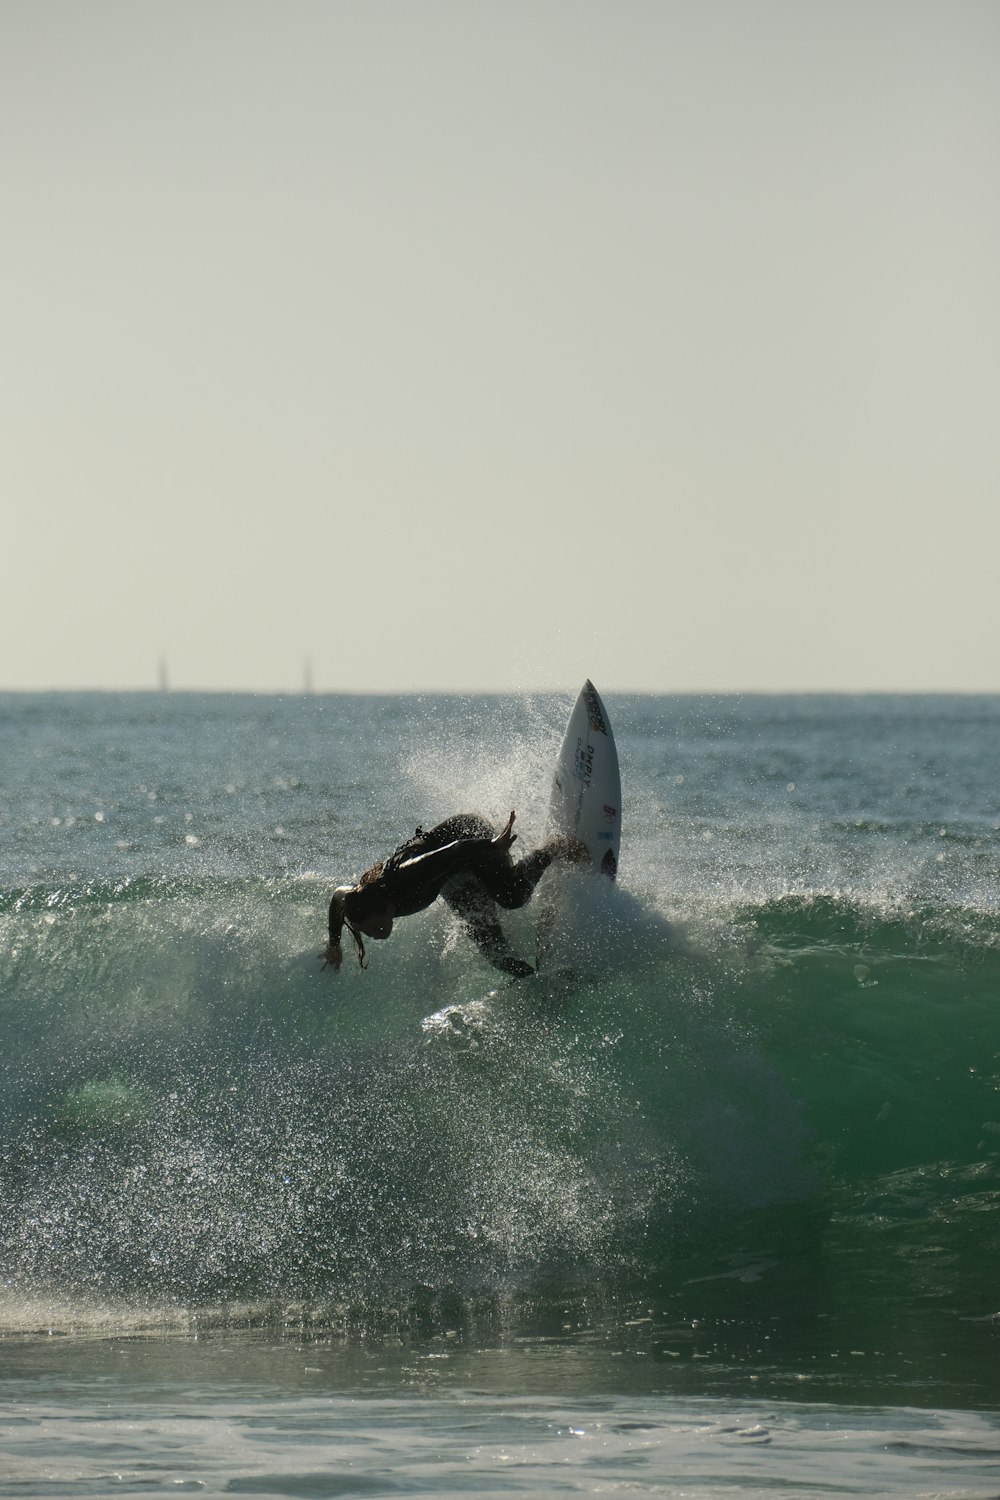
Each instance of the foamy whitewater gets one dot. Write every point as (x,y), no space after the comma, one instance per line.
(710,1206)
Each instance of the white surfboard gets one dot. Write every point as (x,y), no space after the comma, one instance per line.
(586,787)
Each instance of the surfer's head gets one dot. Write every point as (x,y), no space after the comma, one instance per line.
(370,911)
(362,908)
(367,905)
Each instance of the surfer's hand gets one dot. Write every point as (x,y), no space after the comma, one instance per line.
(332,956)
(505,838)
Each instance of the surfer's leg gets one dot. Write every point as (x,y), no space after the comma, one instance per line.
(470,900)
(513,885)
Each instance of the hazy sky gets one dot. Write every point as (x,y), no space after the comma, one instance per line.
(486,343)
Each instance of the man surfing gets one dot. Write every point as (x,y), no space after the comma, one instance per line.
(462,860)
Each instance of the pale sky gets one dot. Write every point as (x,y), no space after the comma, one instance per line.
(494,344)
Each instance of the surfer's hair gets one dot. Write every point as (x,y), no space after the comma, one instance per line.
(359,944)
(339,920)
(367,896)
(367,880)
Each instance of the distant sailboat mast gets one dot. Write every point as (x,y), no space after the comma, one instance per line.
(307,676)
(164,681)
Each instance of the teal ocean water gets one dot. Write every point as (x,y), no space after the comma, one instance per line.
(711,1207)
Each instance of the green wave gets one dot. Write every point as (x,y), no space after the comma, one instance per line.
(190,1108)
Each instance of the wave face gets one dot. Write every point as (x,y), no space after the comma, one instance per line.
(761,1083)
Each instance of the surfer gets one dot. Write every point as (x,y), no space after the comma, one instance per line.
(467,863)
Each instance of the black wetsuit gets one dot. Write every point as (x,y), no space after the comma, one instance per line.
(459,861)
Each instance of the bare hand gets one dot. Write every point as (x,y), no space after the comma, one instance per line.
(506,837)
(332,956)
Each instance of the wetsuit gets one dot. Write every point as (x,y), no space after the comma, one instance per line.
(459,861)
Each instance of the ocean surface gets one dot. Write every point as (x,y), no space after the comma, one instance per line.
(709,1207)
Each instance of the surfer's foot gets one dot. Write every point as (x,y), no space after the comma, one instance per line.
(574,851)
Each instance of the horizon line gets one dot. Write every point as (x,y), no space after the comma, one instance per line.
(507,692)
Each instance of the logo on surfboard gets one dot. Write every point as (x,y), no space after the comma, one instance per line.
(594,715)
(583,761)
